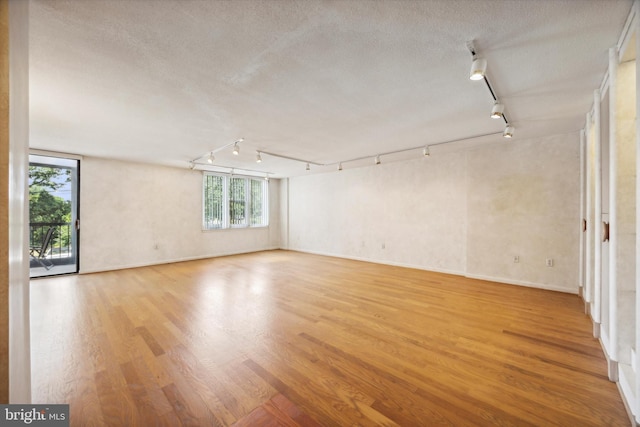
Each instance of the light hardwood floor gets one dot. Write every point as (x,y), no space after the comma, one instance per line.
(347,342)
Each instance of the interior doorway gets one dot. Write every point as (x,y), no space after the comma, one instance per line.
(53,215)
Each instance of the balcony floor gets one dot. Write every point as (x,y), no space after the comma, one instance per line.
(35,272)
(56,269)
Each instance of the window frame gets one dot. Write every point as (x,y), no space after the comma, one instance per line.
(227,220)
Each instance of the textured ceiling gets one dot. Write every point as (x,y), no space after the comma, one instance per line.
(164,81)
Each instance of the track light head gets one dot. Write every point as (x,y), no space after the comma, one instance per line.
(236,149)
(425,152)
(211,158)
(478,69)
(508,131)
(377,159)
(258,157)
(497,110)
(266,177)
(340,166)
(308,167)
(192,165)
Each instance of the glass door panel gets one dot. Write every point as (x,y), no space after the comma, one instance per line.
(53,215)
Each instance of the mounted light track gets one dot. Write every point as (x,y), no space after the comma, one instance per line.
(210,158)
(377,158)
(479,72)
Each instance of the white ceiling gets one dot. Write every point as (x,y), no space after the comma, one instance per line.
(164,81)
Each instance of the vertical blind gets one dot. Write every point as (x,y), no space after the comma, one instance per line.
(234,202)
(238,202)
(259,208)
(214,211)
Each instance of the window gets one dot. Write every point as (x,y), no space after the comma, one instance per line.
(234,202)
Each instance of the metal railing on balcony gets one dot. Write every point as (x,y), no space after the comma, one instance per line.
(60,249)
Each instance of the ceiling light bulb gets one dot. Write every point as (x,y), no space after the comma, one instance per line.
(377,159)
(258,158)
(508,131)
(425,152)
(478,69)
(236,149)
(497,110)
(308,167)
(211,158)
(340,166)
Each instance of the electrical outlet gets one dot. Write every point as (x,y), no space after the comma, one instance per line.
(516,259)
(549,262)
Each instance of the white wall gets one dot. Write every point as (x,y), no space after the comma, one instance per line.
(523,199)
(466,212)
(415,209)
(139,214)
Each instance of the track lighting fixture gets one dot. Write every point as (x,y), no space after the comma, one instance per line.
(377,159)
(425,152)
(308,167)
(508,131)
(209,156)
(479,72)
(258,157)
(266,177)
(192,165)
(340,166)
(497,110)
(478,69)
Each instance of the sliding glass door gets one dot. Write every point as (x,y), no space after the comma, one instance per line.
(53,215)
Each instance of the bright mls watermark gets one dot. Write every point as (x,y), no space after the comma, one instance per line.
(34,415)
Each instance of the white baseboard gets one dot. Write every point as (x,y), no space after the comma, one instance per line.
(628,395)
(587,308)
(522,283)
(380,261)
(171,261)
(440,270)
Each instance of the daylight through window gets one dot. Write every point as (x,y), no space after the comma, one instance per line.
(234,202)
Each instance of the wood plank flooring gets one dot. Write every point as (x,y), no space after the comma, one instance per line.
(208,343)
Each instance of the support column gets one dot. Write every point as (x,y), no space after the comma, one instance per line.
(636,405)
(597,225)
(589,232)
(4,201)
(583,215)
(613,220)
(15,360)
